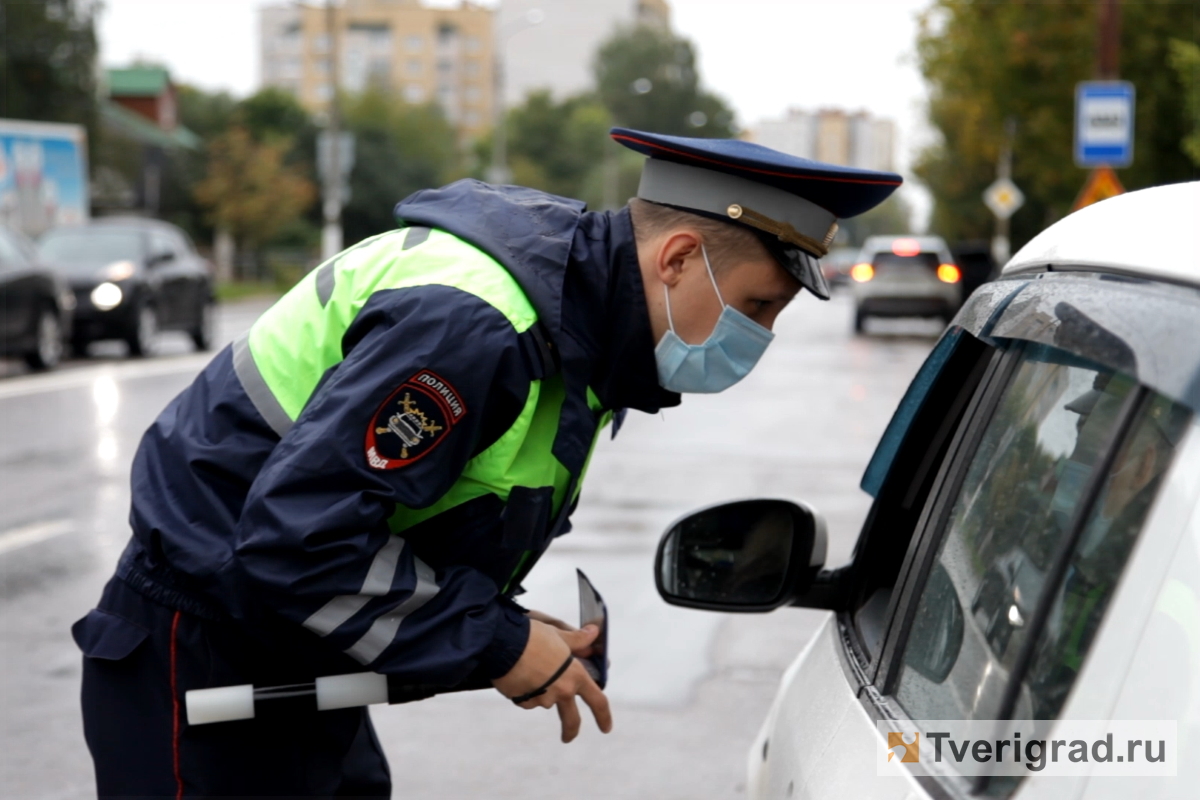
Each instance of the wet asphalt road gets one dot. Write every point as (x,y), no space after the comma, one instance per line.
(688,688)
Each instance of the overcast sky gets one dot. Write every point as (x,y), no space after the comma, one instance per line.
(763,56)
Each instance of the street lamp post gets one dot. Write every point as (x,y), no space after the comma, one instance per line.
(331,235)
(499,172)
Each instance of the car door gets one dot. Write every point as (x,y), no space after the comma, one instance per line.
(197,279)
(18,295)
(1021,547)
(170,276)
(818,732)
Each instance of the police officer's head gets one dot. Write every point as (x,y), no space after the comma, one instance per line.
(676,249)
(728,233)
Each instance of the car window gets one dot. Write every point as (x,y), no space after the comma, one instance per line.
(1116,519)
(902,473)
(162,243)
(918,261)
(81,251)
(1016,503)
(183,243)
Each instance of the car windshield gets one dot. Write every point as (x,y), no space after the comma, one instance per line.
(926,260)
(82,251)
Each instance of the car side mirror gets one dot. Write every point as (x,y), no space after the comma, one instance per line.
(160,258)
(749,555)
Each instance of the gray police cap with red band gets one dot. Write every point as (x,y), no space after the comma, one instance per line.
(792,203)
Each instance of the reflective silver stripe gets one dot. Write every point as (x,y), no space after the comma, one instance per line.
(256,388)
(335,613)
(327,275)
(325,282)
(383,569)
(383,631)
(414,237)
(378,583)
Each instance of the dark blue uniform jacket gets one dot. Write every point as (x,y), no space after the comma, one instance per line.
(232,523)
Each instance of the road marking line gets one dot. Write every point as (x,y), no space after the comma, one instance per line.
(75,379)
(32,534)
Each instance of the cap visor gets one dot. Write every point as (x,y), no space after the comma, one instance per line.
(805,269)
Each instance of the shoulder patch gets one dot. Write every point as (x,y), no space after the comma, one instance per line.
(413,421)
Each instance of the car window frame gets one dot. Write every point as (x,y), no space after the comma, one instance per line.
(918,561)
(926,443)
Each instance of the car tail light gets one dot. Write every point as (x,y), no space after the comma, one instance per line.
(862,272)
(948,273)
(906,247)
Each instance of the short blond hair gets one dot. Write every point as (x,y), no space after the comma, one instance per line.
(727,244)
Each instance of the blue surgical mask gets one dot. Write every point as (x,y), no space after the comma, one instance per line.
(726,356)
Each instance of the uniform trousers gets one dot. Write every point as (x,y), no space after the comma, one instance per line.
(140,657)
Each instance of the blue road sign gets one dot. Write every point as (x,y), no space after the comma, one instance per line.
(1104,123)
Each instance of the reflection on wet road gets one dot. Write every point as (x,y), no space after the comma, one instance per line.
(689,688)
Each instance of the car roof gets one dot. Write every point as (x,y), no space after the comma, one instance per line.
(1151,233)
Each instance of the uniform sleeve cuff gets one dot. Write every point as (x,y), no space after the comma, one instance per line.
(508,643)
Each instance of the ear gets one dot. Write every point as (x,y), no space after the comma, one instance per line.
(674,251)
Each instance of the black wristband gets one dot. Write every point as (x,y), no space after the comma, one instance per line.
(541,690)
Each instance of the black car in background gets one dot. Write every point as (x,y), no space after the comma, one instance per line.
(35,305)
(132,278)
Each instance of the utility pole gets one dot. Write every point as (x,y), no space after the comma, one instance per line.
(1001,244)
(1105,114)
(1108,50)
(499,171)
(331,235)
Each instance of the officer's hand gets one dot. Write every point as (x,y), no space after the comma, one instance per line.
(541,616)
(545,652)
(580,647)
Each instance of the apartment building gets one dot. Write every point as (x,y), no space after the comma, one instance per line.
(424,54)
(832,135)
(557,52)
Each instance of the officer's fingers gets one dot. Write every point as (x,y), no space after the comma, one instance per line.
(549,620)
(541,701)
(581,639)
(568,713)
(597,701)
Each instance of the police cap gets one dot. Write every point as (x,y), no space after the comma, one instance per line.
(792,203)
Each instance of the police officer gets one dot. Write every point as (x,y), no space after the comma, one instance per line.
(363,481)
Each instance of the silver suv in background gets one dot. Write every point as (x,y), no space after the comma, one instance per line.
(905,276)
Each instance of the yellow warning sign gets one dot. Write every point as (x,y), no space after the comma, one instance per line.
(1101,185)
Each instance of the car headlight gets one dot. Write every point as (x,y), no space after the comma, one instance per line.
(119,270)
(107,296)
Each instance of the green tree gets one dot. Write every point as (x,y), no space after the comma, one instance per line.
(554,146)
(249,190)
(267,116)
(1185,57)
(648,79)
(48,61)
(272,112)
(989,62)
(399,149)
(206,114)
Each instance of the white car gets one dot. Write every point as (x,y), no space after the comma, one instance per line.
(905,276)
(1033,551)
